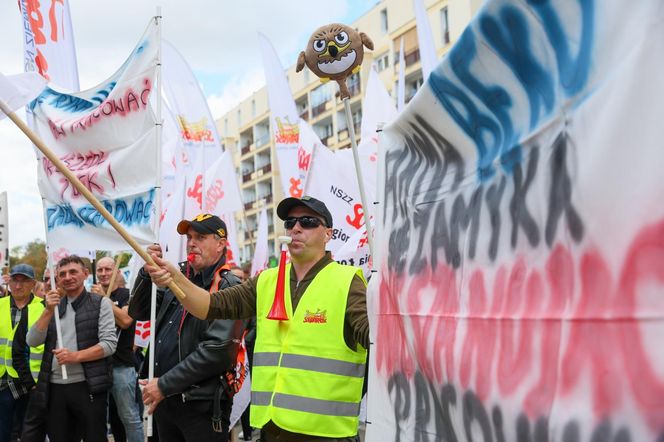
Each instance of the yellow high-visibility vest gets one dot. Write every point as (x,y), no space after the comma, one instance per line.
(305,378)
(35,309)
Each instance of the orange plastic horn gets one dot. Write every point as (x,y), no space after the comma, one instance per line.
(278,310)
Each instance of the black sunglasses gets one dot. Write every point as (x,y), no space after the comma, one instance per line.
(306,222)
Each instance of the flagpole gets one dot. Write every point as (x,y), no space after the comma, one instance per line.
(358,173)
(153,296)
(58,327)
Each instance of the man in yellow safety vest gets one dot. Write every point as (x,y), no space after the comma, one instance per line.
(19,364)
(309,370)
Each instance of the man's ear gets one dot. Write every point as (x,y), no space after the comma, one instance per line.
(328,234)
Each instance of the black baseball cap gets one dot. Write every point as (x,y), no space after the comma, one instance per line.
(23,269)
(312,203)
(204,223)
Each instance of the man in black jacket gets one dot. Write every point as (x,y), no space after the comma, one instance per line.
(76,404)
(191,393)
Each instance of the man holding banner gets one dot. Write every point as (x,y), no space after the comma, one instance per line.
(308,373)
(195,377)
(76,403)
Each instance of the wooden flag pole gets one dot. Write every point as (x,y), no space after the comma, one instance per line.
(85,192)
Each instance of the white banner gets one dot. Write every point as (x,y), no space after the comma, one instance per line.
(222,194)
(4,230)
(107,137)
(294,157)
(48,42)
(427,48)
(259,261)
(520,285)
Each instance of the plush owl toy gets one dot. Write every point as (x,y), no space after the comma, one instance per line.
(335,52)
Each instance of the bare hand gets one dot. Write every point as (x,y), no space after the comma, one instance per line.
(151,393)
(64,356)
(52,300)
(153,249)
(97,288)
(162,273)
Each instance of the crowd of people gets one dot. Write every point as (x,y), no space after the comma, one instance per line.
(71,371)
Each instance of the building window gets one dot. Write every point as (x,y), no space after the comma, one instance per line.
(226,126)
(383,21)
(444,25)
(319,97)
(253,108)
(382,62)
(239,118)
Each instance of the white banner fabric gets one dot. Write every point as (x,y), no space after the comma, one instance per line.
(520,236)
(107,137)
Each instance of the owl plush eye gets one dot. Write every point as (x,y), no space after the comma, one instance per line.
(341,38)
(319,45)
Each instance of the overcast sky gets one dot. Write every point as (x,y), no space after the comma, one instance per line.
(216,37)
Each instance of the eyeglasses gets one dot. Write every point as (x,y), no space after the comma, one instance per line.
(306,222)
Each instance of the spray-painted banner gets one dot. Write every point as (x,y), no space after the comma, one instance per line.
(106,136)
(520,285)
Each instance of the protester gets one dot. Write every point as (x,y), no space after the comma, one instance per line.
(319,357)
(34,423)
(76,405)
(123,391)
(21,363)
(241,274)
(191,394)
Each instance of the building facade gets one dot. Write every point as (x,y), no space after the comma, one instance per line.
(245,129)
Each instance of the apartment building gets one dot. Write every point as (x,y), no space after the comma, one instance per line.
(245,130)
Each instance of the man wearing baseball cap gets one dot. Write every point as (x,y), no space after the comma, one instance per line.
(308,373)
(20,366)
(195,378)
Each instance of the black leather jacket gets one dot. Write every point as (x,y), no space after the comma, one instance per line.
(207,349)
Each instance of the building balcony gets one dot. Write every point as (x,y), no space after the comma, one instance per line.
(317,110)
(305,114)
(412,57)
(246,149)
(267,168)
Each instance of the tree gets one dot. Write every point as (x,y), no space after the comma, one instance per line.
(33,253)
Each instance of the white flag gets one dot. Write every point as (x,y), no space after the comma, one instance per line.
(18,90)
(427,47)
(48,42)
(285,123)
(259,262)
(401,85)
(222,193)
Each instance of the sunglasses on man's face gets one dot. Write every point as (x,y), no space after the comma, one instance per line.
(306,222)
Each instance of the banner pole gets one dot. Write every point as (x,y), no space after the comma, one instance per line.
(153,294)
(358,173)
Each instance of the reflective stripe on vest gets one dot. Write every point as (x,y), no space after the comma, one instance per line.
(310,363)
(7,331)
(305,379)
(299,403)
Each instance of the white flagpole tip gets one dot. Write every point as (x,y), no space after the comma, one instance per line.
(285,239)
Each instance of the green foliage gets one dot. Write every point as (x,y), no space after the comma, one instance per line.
(33,253)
